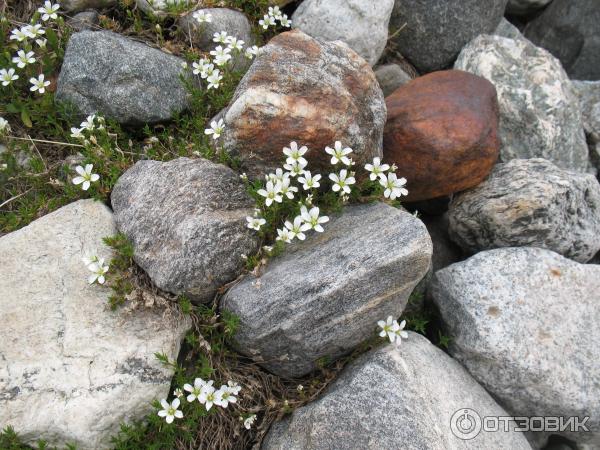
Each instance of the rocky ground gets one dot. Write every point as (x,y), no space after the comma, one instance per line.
(312,224)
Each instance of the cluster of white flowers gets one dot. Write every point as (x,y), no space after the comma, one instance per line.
(85,131)
(393,330)
(161,5)
(25,57)
(394,186)
(274,14)
(97,267)
(202,391)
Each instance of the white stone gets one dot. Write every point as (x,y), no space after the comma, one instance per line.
(71,370)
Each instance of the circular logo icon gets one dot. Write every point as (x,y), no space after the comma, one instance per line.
(465,424)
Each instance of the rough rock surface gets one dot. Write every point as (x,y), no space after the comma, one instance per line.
(524,7)
(530,203)
(571,32)
(85,20)
(324,296)
(508,30)
(524,322)
(390,77)
(433,32)
(104,72)
(362,24)
(71,370)
(186,219)
(393,398)
(589,100)
(539,112)
(302,89)
(80,5)
(441,132)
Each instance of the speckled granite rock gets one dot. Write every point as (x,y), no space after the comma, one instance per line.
(524,323)
(324,296)
(71,370)
(530,203)
(393,398)
(539,112)
(186,219)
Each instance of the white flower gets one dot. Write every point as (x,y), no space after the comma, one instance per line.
(88,123)
(295,154)
(22,59)
(400,333)
(244,177)
(389,328)
(207,70)
(308,181)
(296,228)
(48,11)
(255,223)
(38,84)
(224,396)
(312,220)
(19,35)
(201,66)
(272,193)
(279,175)
(394,187)
(284,235)
(221,55)
(296,168)
(249,421)
(170,411)
(221,37)
(339,154)
(235,44)
(194,390)
(275,12)
(287,190)
(376,168)
(34,31)
(4,126)
(202,16)
(89,260)
(178,393)
(8,76)
(214,79)
(208,395)
(98,270)
(77,133)
(267,21)
(234,387)
(86,176)
(216,129)
(41,42)
(341,182)
(253,51)
(285,22)
(3,166)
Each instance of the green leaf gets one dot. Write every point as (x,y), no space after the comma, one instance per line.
(26,119)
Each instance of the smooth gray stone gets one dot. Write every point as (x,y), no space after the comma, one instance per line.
(390,77)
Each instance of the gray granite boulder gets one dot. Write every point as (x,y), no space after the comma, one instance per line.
(119,78)
(524,323)
(362,24)
(324,296)
(85,20)
(81,5)
(539,111)
(390,77)
(525,7)
(71,370)
(530,203)
(570,30)
(433,32)
(508,30)
(186,219)
(390,398)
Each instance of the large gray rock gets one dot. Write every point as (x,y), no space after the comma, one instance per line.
(524,322)
(530,203)
(362,24)
(80,5)
(235,23)
(390,77)
(525,7)
(323,296)
(394,397)
(539,112)
(71,370)
(104,72)
(571,32)
(433,32)
(186,219)
(306,90)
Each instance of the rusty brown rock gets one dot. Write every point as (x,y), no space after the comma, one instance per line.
(305,90)
(442,133)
